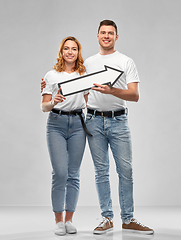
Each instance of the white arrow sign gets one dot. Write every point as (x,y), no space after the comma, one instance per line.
(108,76)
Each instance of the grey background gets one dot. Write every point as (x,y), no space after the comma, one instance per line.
(150,33)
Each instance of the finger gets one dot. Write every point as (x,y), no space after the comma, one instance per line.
(42,79)
(59,97)
(97,85)
(96,89)
(59,90)
(62,97)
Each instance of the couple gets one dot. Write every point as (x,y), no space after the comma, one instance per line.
(106,123)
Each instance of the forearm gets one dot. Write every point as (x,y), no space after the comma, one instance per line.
(47,106)
(127,94)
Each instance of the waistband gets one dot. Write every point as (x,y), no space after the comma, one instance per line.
(74,112)
(107,113)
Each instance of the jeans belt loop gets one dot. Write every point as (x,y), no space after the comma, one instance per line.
(94,113)
(59,113)
(112,114)
(102,114)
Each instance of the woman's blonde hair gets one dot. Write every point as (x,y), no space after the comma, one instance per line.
(60,65)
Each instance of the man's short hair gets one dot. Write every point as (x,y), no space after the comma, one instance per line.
(108,23)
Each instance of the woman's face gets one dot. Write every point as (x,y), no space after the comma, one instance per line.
(70,51)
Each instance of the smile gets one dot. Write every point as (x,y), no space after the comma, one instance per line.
(70,57)
(106,41)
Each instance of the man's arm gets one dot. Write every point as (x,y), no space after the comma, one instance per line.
(130,94)
(43,85)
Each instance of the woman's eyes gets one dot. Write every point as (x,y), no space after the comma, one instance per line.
(74,49)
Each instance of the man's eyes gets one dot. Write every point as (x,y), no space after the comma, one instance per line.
(110,33)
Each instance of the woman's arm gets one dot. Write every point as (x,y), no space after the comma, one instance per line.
(47,103)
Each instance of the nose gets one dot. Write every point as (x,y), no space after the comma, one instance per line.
(107,35)
(70,51)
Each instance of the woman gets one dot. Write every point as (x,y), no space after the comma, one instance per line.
(65,134)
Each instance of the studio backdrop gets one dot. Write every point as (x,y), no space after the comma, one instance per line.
(149,33)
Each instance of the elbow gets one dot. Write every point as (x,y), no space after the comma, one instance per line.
(42,108)
(136,98)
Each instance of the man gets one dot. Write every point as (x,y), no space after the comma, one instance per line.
(107,121)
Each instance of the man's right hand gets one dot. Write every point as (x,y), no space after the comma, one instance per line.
(43,85)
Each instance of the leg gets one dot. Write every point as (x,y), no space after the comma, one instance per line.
(120,143)
(57,146)
(98,145)
(58,217)
(68,216)
(75,145)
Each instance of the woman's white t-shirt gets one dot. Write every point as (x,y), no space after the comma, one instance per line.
(72,102)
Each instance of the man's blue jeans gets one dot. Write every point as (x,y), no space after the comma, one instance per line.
(66,142)
(114,132)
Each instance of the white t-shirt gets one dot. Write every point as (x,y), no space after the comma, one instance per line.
(72,102)
(108,102)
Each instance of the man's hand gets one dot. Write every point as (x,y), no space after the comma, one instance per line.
(43,85)
(102,88)
(130,94)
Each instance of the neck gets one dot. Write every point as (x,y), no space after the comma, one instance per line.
(69,67)
(104,51)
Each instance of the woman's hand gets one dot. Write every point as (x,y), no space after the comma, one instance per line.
(58,97)
(48,103)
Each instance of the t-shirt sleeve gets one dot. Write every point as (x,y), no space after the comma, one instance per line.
(49,87)
(131,72)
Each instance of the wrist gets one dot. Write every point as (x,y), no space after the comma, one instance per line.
(52,102)
(113,90)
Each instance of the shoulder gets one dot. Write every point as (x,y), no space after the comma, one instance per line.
(126,61)
(50,73)
(91,58)
(53,76)
(123,57)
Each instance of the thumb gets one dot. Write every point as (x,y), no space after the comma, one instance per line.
(42,79)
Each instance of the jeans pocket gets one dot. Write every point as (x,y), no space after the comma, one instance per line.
(53,116)
(121,118)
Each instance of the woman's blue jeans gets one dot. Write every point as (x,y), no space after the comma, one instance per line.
(66,143)
(114,132)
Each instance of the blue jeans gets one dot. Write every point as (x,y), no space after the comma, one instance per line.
(114,132)
(66,143)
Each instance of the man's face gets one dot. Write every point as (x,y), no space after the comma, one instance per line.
(107,37)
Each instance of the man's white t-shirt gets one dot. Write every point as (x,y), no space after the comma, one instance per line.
(72,102)
(108,102)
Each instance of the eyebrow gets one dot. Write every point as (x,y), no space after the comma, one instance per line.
(71,47)
(107,32)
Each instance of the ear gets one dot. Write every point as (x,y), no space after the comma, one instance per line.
(97,35)
(117,36)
